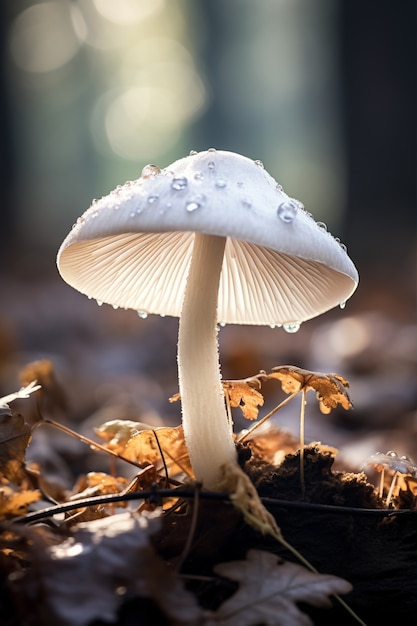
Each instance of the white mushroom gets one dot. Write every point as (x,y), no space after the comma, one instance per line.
(211,238)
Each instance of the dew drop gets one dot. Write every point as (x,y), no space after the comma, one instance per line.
(143,315)
(211,165)
(194,203)
(99,302)
(279,187)
(179,183)
(322,225)
(193,152)
(259,163)
(342,305)
(150,170)
(199,176)
(222,324)
(221,183)
(153,199)
(132,213)
(212,150)
(287,211)
(115,307)
(291,327)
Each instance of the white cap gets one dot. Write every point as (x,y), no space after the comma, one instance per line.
(133,248)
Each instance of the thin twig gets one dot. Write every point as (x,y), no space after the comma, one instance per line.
(86,440)
(246,434)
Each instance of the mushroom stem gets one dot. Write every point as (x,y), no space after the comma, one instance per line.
(206,426)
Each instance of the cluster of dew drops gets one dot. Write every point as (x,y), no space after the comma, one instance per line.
(286,211)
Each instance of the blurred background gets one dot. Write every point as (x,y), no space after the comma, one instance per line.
(322,91)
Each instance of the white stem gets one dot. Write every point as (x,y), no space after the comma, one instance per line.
(204,418)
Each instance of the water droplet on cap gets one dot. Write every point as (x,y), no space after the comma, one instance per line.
(150,170)
(153,199)
(211,165)
(321,225)
(279,187)
(99,302)
(143,315)
(291,327)
(193,152)
(196,202)
(212,150)
(287,211)
(221,183)
(259,163)
(179,183)
(199,176)
(342,304)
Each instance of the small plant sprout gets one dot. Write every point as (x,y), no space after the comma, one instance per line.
(210,239)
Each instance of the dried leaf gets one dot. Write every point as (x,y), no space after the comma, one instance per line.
(242,393)
(118,432)
(330,388)
(86,577)
(15,435)
(134,443)
(143,448)
(14,502)
(270,590)
(51,394)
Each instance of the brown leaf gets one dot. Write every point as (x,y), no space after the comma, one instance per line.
(118,432)
(86,577)
(330,388)
(14,502)
(143,448)
(242,393)
(51,395)
(270,590)
(134,443)
(15,436)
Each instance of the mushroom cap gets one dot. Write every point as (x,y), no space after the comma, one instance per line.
(133,248)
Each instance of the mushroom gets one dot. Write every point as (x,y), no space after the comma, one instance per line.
(211,238)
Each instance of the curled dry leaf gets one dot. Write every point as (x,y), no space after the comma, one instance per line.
(270,589)
(245,395)
(330,388)
(15,436)
(128,439)
(87,576)
(118,432)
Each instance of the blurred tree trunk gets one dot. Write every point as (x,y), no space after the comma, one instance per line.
(378,67)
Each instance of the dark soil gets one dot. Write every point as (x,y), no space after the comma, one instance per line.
(340,526)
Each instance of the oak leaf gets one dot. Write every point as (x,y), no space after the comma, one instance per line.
(270,590)
(330,388)
(242,393)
